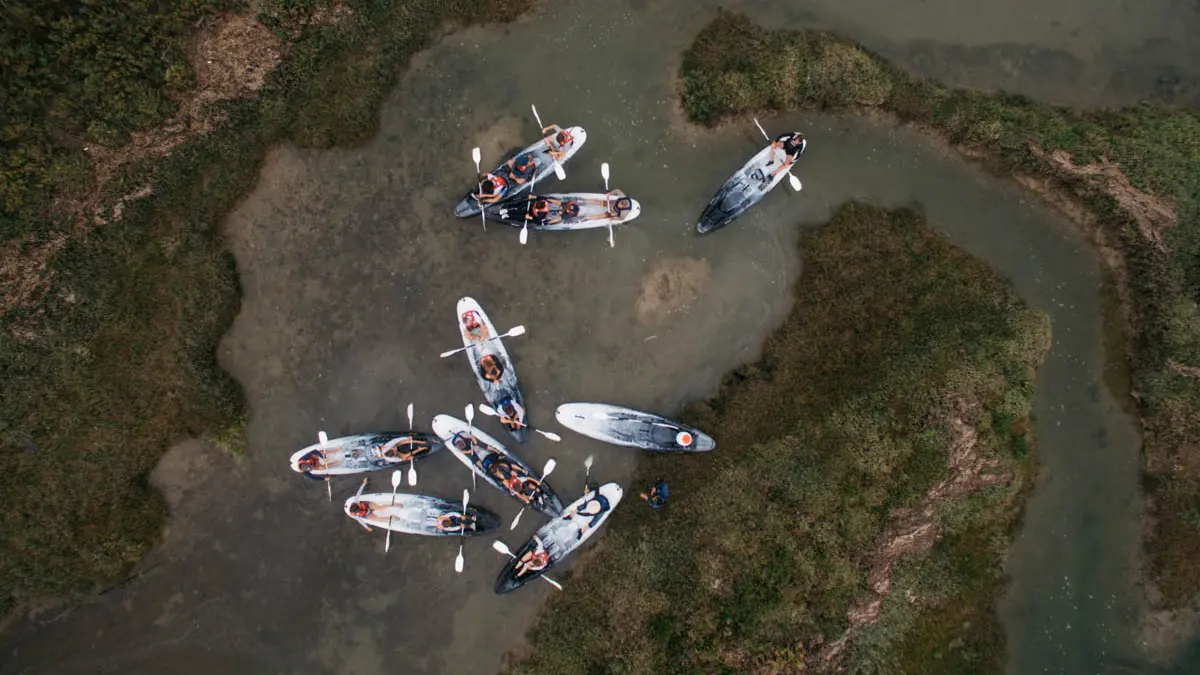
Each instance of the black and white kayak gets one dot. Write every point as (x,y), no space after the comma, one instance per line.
(559,537)
(364,452)
(540,154)
(567,211)
(748,186)
(419,514)
(496,465)
(632,428)
(493,368)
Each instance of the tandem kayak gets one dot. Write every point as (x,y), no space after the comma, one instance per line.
(496,465)
(559,537)
(592,210)
(364,452)
(744,189)
(493,368)
(632,428)
(420,514)
(469,205)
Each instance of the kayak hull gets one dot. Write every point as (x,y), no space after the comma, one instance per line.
(362,453)
(479,346)
(419,514)
(630,428)
(468,206)
(544,500)
(513,212)
(745,188)
(560,536)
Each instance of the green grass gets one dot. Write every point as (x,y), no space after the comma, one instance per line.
(894,335)
(117,361)
(735,67)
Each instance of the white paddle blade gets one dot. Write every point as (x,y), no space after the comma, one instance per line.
(517,519)
(550,434)
(553,582)
(322,438)
(587,463)
(458,562)
(611,243)
(475,155)
(549,468)
(397,476)
(536,116)
(559,172)
(412,475)
(761,130)
(795,182)
(452,351)
(387,546)
(487,410)
(470,413)
(604,170)
(466,498)
(517,331)
(500,547)
(524,235)
(410,415)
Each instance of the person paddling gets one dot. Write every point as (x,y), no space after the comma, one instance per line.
(522,168)
(557,139)
(658,495)
(493,189)
(792,145)
(535,560)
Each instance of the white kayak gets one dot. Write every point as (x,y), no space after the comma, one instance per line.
(559,537)
(593,210)
(744,189)
(500,391)
(469,205)
(364,452)
(632,428)
(496,465)
(419,514)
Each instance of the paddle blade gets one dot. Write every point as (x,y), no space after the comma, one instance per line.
(761,130)
(553,583)
(517,331)
(387,546)
(536,116)
(412,475)
(410,415)
(487,410)
(549,468)
(551,435)
(396,478)
(475,155)
(795,182)
(322,438)
(500,547)
(587,463)
(469,412)
(452,351)
(524,236)
(559,172)
(458,562)
(611,243)
(466,498)
(517,519)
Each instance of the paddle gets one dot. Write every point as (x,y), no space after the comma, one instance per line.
(487,410)
(479,174)
(412,470)
(396,477)
(499,546)
(470,413)
(328,483)
(515,332)
(587,470)
(795,182)
(462,531)
(558,170)
(604,172)
(545,472)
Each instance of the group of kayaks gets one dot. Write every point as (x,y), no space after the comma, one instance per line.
(488,459)
(506,194)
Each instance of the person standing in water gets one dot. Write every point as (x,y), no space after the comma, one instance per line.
(658,495)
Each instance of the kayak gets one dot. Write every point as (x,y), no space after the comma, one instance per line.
(419,514)
(632,428)
(561,536)
(469,206)
(367,452)
(505,387)
(592,211)
(744,189)
(485,452)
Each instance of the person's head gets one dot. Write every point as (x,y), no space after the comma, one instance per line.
(359,509)
(623,204)
(524,161)
(541,206)
(570,209)
(563,137)
(795,144)
(508,408)
(460,442)
(307,463)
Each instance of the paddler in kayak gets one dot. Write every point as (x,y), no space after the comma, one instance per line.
(535,560)
(394,453)
(595,508)
(464,446)
(792,145)
(557,139)
(475,329)
(453,522)
(615,204)
(492,189)
(316,461)
(511,413)
(522,168)
(658,495)
(490,368)
(366,511)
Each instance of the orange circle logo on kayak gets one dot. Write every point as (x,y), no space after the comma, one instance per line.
(684,438)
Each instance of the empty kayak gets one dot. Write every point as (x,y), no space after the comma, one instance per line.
(493,369)
(364,452)
(567,211)
(496,465)
(744,189)
(559,537)
(632,428)
(420,514)
(540,154)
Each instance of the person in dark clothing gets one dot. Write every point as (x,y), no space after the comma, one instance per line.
(658,495)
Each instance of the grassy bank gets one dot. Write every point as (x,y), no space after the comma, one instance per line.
(1135,172)
(873,460)
(111,317)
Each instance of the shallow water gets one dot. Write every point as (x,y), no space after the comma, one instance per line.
(351,264)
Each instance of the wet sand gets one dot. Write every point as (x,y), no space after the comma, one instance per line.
(351,262)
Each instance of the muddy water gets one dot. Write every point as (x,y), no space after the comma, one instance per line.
(351,263)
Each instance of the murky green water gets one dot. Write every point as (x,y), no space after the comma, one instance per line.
(351,263)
